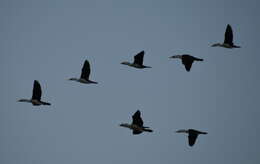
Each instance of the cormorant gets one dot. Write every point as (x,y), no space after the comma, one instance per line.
(138,61)
(85,72)
(137,124)
(192,135)
(228,41)
(36,95)
(187,60)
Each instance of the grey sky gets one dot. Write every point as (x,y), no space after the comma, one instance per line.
(49,41)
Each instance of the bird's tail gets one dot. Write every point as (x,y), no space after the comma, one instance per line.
(198,59)
(147,130)
(203,133)
(45,103)
(93,82)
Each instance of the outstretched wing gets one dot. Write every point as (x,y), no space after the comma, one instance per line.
(138,59)
(228,35)
(37,91)
(192,138)
(85,71)
(187,64)
(137,120)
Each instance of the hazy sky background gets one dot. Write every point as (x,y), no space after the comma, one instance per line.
(49,41)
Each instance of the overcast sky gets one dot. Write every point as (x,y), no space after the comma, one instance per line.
(49,41)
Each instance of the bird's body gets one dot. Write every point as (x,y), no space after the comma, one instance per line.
(137,124)
(36,96)
(85,72)
(136,129)
(228,41)
(138,61)
(187,60)
(84,81)
(192,135)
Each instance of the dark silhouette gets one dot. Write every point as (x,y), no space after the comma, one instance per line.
(137,124)
(85,72)
(193,134)
(36,95)
(138,61)
(187,60)
(228,41)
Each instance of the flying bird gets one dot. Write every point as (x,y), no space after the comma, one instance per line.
(192,135)
(85,72)
(187,60)
(138,61)
(137,124)
(36,95)
(228,41)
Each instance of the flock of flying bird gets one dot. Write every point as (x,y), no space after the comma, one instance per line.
(137,123)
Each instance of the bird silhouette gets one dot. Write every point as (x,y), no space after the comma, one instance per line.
(138,61)
(192,135)
(228,41)
(187,60)
(85,72)
(137,124)
(36,95)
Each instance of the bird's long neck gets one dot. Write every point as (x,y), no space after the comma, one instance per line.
(126,125)
(177,56)
(217,45)
(127,63)
(182,131)
(74,79)
(25,100)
